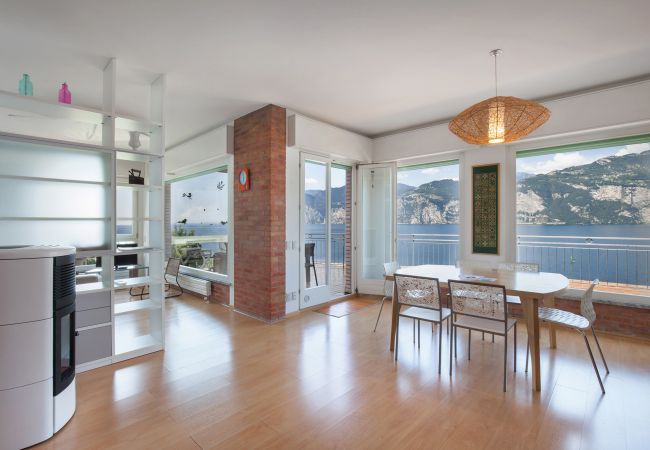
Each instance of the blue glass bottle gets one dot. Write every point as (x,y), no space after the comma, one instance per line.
(25,86)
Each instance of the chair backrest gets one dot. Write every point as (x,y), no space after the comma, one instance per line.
(390,267)
(520,267)
(418,291)
(587,305)
(486,301)
(173,266)
(310,249)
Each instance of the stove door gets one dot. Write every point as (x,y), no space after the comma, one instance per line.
(64,347)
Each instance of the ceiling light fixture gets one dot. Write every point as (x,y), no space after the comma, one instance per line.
(498,120)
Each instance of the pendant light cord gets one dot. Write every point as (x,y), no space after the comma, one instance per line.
(496,85)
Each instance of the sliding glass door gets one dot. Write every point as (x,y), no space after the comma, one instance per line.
(377,225)
(326,230)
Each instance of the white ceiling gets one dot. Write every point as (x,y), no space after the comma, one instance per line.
(370,66)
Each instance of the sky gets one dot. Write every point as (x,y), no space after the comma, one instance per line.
(558,161)
(316,176)
(417,177)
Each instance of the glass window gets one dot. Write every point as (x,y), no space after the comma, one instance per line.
(125,209)
(584,211)
(427,214)
(199,221)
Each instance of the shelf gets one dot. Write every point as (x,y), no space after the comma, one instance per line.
(136,250)
(136,124)
(126,345)
(135,155)
(55,180)
(91,253)
(127,283)
(136,305)
(88,288)
(141,187)
(50,108)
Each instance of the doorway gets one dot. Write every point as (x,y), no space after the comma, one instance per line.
(326,230)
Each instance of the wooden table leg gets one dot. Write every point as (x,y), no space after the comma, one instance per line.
(394,318)
(549,300)
(531,306)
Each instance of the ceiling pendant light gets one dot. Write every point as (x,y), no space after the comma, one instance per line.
(498,120)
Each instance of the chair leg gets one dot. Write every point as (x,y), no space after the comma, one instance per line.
(515,349)
(469,345)
(599,349)
(315,274)
(527,353)
(448,322)
(593,362)
(418,334)
(396,337)
(505,359)
(414,331)
(439,348)
(455,333)
(493,339)
(379,315)
(451,345)
(482,335)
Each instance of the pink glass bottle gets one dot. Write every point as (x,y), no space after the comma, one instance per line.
(65,96)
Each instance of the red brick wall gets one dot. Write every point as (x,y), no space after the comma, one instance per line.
(259,215)
(220,293)
(610,318)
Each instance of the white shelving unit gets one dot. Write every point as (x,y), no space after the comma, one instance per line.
(76,205)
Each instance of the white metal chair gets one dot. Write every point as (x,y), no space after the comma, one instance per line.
(480,307)
(421,297)
(389,271)
(579,322)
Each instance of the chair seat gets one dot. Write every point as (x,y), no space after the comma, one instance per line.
(480,324)
(513,299)
(430,315)
(565,318)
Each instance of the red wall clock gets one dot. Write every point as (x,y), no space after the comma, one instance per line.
(244,180)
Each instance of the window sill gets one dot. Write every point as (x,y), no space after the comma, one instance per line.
(610,298)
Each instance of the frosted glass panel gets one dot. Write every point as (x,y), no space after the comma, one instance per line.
(377,233)
(33,198)
(83,234)
(35,160)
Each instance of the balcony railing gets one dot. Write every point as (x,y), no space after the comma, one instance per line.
(615,261)
(418,249)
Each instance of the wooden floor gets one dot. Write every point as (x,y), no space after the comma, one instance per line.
(316,381)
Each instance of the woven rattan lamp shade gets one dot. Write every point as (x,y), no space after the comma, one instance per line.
(498,120)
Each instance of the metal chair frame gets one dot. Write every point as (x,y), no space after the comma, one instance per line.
(587,313)
(454,327)
(172,269)
(442,317)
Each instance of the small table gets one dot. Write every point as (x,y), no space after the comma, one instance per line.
(530,286)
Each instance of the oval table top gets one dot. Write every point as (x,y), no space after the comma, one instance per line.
(525,283)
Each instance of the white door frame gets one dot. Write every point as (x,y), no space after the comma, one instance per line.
(368,286)
(316,295)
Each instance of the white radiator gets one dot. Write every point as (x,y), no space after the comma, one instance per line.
(190,283)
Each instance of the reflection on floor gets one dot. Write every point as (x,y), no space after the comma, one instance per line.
(316,381)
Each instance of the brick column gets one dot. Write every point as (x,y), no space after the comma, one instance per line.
(259,215)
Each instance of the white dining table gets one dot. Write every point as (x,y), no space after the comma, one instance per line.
(531,287)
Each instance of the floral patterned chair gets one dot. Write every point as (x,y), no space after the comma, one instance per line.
(418,298)
(480,307)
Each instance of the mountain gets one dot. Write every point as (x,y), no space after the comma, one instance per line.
(611,190)
(435,202)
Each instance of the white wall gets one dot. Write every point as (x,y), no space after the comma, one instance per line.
(199,153)
(326,140)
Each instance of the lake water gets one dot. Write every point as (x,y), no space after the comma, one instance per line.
(615,253)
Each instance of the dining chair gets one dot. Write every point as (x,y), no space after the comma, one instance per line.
(310,262)
(171,270)
(480,307)
(578,322)
(421,298)
(389,271)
